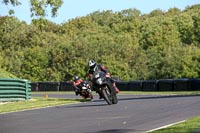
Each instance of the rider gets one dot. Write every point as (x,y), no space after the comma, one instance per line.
(94,66)
(76,84)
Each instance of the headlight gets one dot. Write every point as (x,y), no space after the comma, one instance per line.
(99,81)
(97,75)
(84,88)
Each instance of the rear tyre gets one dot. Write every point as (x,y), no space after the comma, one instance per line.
(114,100)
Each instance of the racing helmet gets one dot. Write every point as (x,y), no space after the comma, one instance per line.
(76,78)
(92,64)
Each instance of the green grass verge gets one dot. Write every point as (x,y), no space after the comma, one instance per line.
(53,92)
(190,126)
(35,103)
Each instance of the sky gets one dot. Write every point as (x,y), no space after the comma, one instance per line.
(77,8)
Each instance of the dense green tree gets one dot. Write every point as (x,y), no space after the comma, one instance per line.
(185,27)
(156,13)
(131,45)
(36,62)
(196,23)
(158,31)
(173,11)
(8,30)
(38,7)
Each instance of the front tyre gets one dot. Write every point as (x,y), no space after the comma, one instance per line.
(106,96)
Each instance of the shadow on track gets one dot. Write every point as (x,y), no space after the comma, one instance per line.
(100,103)
(82,106)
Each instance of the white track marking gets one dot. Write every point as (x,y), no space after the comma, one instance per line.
(165,126)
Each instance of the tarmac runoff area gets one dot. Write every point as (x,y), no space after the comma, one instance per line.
(132,114)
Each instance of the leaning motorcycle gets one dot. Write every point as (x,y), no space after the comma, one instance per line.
(85,90)
(104,87)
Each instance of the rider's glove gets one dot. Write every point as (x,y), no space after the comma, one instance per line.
(108,75)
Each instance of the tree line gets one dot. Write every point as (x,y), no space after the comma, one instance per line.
(133,46)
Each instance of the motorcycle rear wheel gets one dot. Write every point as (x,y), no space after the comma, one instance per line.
(114,99)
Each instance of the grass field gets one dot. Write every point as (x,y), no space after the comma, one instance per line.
(35,103)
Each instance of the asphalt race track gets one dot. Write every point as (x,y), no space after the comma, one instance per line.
(133,114)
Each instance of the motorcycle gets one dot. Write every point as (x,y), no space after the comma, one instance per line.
(104,87)
(85,90)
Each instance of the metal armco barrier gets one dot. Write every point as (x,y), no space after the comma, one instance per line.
(14,89)
(146,85)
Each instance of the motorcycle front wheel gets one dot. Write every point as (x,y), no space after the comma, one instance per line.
(106,95)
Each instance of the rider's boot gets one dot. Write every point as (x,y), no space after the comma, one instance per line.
(91,97)
(77,91)
(116,89)
(100,96)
